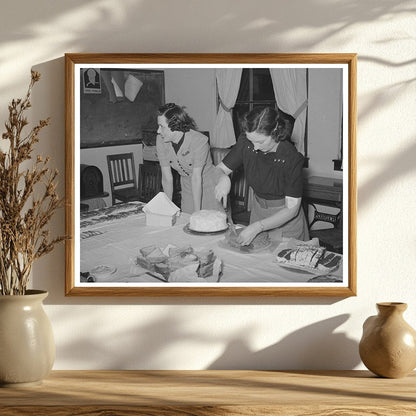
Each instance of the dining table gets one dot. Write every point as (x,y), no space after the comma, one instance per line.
(112,237)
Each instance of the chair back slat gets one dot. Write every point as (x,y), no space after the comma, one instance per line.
(122,175)
(121,169)
(150,181)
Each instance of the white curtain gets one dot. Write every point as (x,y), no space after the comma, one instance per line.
(228,83)
(289,86)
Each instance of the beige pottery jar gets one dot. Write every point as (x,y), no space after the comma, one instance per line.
(388,345)
(27,346)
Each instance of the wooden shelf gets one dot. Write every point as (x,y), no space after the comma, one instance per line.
(203,393)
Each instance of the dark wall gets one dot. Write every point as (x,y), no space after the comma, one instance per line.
(106,119)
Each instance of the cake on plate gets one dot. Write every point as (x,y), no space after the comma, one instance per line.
(208,221)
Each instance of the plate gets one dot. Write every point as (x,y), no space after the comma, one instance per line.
(301,269)
(243,249)
(190,231)
(310,270)
(102,272)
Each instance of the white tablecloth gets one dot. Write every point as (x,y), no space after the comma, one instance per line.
(109,237)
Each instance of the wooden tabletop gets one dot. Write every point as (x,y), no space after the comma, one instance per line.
(253,393)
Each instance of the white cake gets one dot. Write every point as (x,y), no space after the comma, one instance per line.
(208,220)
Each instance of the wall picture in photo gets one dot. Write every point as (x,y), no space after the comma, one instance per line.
(91,81)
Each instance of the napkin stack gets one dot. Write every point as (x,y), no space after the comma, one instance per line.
(161,211)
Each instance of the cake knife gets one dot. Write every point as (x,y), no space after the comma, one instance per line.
(229,217)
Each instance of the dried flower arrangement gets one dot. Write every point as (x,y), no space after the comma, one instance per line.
(28,199)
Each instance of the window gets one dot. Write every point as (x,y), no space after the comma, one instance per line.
(256,89)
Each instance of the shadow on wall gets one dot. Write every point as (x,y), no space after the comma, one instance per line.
(48,99)
(133,18)
(78,26)
(394,168)
(29,36)
(314,347)
(142,347)
(250,23)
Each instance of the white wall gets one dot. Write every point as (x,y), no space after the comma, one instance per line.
(198,333)
(324,121)
(194,89)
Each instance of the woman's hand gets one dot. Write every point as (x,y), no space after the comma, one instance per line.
(247,235)
(196,181)
(222,189)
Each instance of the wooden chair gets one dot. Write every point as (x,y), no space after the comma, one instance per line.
(122,177)
(150,181)
(319,190)
(330,238)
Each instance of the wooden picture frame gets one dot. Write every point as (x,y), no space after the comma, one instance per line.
(79,282)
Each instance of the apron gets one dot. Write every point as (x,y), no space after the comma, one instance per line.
(296,228)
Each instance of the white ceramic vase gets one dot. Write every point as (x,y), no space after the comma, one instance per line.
(27,346)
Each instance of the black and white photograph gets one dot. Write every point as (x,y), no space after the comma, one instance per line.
(225,175)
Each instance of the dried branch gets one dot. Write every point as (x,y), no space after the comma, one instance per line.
(28,199)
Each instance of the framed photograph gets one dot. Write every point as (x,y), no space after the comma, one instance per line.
(211,174)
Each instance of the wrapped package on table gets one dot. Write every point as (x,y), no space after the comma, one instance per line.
(175,264)
(307,256)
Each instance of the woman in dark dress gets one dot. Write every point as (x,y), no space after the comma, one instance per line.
(273,168)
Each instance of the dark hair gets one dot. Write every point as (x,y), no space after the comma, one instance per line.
(270,122)
(177,118)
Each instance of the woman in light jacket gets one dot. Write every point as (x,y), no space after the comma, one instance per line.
(181,147)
